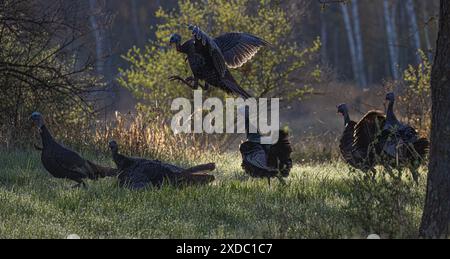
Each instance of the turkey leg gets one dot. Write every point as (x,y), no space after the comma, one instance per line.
(192,82)
(79,185)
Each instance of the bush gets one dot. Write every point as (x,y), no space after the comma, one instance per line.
(385,204)
(414,100)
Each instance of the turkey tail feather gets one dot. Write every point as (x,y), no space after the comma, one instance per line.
(97,171)
(422,147)
(197,176)
(201,168)
(231,86)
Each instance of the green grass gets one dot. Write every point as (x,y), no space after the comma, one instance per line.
(319,201)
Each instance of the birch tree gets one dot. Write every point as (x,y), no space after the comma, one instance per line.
(392,38)
(415,32)
(359,43)
(354,38)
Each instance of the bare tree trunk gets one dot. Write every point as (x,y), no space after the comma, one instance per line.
(359,43)
(93,19)
(415,32)
(324,37)
(98,21)
(135,20)
(428,46)
(351,43)
(436,217)
(391,32)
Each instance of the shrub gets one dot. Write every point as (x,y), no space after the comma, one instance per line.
(385,204)
(416,99)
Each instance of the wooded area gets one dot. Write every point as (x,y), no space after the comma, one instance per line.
(368,41)
(100,77)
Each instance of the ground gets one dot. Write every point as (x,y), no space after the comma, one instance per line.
(323,200)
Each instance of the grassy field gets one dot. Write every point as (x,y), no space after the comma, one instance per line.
(319,201)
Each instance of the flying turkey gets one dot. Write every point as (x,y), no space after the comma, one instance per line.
(138,173)
(401,143)
(265,161)
(64,163)
(358,144)
(210,58)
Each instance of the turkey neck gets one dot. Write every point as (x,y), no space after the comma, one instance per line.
(346,118)
(390,113)
(183,48)
(118,159)
(47,138)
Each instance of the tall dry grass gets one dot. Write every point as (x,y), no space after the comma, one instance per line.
(137,134)
(152,137)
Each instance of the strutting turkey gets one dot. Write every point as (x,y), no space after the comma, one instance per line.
(358,144)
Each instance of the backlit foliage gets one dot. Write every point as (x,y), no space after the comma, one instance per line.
(417,97)
(286,70)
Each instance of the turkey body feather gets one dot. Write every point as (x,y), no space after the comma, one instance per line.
(138,173)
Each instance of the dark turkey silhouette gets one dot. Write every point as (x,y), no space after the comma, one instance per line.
(210,58)
(264,161)
(280,154)
(401,143)
(64,163)
(138,173)
(358,143)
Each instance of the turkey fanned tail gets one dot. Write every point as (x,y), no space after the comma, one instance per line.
(422,147)
(346,143)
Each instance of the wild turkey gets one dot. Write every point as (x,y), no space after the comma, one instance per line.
(64,163)
(265,161)
(358,143)
(210,58)
(138,173)
(401,143)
